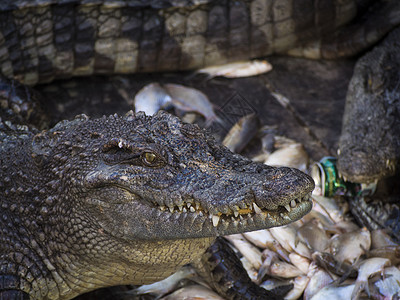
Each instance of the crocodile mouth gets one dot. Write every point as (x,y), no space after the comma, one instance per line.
(292,211)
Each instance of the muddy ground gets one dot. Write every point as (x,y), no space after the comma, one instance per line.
(316,91)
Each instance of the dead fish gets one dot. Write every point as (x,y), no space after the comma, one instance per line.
(300,284)
(328,262)
(333,292)
(241,133)
(390,252)
(248,266)
(193,292)
(151,98)
(269,257)
(168,284)
(380,239)
(247,249)
(294,156)
(191,100)
(279,268)
(275,267)
(366,269)
(389,286)
(237,69)
(263,239)
(331,217)
(299,262)
(260,238)
(346,226)
(331,207)
(325,221)
(319,278)
(349,246)
(313,235)
(276,247)
(286,236)
(274,284)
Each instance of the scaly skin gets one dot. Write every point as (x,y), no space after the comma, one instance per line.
(40,43)
(369,146)
(127,200)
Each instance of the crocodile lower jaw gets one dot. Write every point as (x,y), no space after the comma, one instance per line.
(292,211)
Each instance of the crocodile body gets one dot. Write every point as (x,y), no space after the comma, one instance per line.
(46,40)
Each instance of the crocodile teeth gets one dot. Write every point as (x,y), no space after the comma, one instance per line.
(287,206)
(192,209)
(215,220)
(257,209)
(293,203)
(235,213)
(184,209)
(180,207)
(171,209)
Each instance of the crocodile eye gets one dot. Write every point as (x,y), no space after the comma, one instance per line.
(149,157)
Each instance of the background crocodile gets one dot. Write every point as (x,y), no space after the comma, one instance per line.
(43,41)
(369,146)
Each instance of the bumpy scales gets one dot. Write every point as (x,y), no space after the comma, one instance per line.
(117,200)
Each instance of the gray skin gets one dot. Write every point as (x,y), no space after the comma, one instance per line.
(369,146)
(109,203)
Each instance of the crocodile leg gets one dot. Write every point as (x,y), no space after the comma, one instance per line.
(8,288)
(222,270)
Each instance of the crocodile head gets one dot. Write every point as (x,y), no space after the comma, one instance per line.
(157,178)
(369,145)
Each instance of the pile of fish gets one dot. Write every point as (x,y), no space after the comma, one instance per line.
(325,255)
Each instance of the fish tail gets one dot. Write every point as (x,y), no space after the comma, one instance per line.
(212,119)
(358,286)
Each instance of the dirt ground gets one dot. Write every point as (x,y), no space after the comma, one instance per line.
(316,91)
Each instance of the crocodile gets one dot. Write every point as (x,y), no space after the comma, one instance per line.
(126,200)
(369,145)
(45,40)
